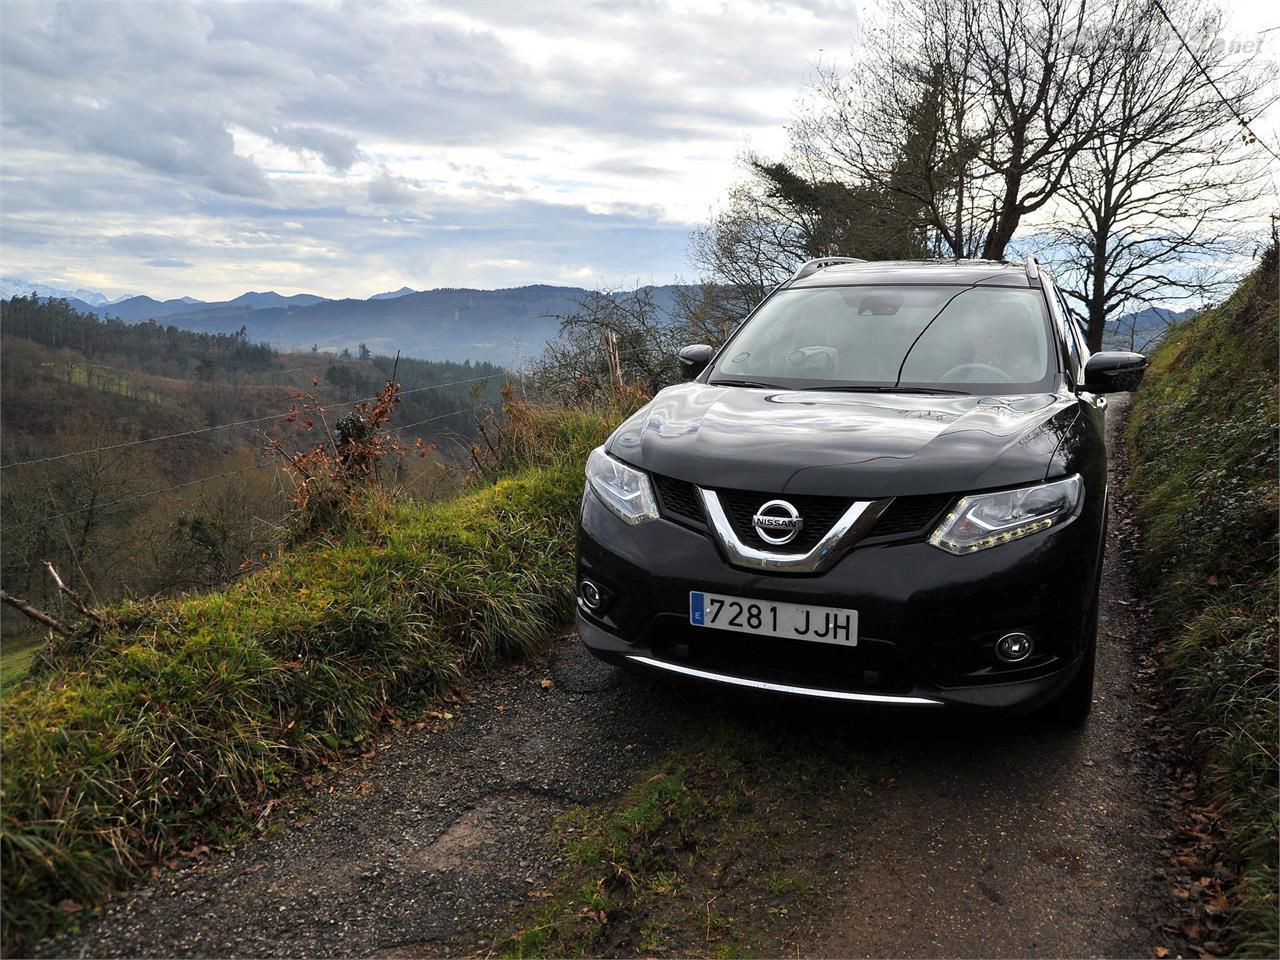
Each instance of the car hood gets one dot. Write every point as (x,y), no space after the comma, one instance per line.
(844,444)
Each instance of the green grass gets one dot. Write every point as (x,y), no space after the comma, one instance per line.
(649,862)
(15,659)
(622,852)
(112,382)
(184,714)
(1203,436)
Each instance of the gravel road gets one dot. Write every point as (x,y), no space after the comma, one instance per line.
(1006,839)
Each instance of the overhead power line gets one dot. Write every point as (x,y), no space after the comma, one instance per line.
(445,416)
(1213,83)
(226,426)
(218,476)
(138,496)
(134,443)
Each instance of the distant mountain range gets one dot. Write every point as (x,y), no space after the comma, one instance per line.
(135,309)
(507,327)
(1142,329)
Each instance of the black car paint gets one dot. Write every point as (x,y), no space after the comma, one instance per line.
(864,445)
(927,619)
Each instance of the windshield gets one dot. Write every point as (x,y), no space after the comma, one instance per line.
(973,340)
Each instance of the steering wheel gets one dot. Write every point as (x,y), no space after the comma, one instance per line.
(997,375)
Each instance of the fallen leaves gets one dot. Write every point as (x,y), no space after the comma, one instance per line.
(1219,906)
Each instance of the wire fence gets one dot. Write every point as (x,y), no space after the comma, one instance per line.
(125,501)
(187,484)
(226,426)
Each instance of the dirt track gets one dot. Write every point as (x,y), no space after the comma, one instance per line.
(973,839)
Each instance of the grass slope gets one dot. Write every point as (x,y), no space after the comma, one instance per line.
(715,851)
(185,713)
(1203,435)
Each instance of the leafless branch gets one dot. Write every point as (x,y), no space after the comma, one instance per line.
(76,600)
(57,626)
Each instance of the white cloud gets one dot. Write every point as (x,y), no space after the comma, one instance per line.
(346,149)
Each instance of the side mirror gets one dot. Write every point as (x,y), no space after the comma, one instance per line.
(694,359)
(1114,372)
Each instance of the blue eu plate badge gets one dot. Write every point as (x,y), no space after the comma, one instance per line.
(697,613)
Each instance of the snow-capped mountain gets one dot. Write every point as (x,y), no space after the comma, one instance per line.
(18,287)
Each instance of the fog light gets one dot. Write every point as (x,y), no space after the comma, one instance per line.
(589,595)
(1014,647)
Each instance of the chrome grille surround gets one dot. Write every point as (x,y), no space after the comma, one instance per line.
(851,526)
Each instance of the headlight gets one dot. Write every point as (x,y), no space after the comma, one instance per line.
(989,519)
(623,489)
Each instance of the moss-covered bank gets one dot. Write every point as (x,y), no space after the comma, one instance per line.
(1204,440)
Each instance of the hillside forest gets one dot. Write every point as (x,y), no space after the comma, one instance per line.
(135,456)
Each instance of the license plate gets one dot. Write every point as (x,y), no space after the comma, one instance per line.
(794,620)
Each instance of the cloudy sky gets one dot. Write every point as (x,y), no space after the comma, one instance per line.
(343,150)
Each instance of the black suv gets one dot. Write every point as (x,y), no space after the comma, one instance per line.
(889,485)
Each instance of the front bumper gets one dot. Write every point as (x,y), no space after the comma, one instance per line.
(927,620)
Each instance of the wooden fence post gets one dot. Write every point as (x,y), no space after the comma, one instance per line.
(615,364)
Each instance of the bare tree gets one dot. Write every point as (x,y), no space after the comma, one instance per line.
(914,87)
(574,368)
(785,212)
(963,119)
(749,247)
(709,312)
(1044,70)
(990,101)
(1152,202)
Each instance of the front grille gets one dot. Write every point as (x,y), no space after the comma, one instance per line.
(819,515)
(910,514)
(679,500)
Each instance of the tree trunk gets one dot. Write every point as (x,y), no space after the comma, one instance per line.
(1005,226)
(1097,302)
(1096,327)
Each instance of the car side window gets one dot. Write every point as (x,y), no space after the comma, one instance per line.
(1062,318)
(1082,341)
(1085,352)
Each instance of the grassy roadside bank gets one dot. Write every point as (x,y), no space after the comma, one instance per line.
(183,714)
(1204,443)
(717,850)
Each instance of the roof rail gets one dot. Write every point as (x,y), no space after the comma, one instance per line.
(810,267)
(1033,270)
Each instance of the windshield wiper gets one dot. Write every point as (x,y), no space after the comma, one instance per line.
(851,388)
(745,383)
